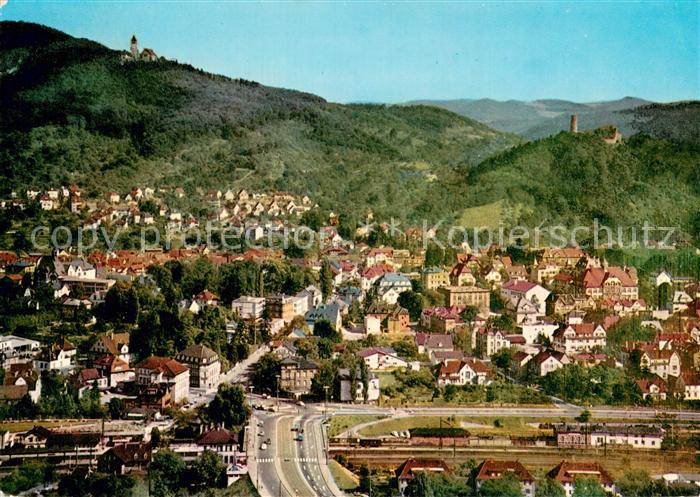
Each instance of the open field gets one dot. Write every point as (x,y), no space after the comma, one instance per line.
(486,426)
(339,424)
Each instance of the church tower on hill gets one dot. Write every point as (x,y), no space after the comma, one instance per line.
(134,48)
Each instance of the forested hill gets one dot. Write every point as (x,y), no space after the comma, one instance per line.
(73,112)
(574,178)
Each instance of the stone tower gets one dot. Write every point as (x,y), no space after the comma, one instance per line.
(573,127)
(134,48)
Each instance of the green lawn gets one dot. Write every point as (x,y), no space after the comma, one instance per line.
(339,424)
(344,478)
(401,424)
(487,215)
(507,425)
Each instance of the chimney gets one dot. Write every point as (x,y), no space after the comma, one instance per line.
(574,124)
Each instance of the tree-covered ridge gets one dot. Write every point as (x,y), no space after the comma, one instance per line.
(574,178)
(73,112)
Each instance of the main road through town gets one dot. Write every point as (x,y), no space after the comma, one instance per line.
(289,453)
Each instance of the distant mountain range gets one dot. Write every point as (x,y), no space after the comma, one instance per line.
(76,112)
(541,118)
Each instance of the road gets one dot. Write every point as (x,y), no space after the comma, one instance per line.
(289,467)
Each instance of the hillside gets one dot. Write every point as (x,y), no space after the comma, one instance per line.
(541,118)
(73,112)
(574,178)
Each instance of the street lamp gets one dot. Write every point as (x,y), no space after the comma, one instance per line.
(277,385)
(325,405)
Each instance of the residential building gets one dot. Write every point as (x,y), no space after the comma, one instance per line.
(411,467)
(326,312)
(663,363)
(584,337)
(389,318)
(204,366)
(611,283)
(381,358)
(433,278)
(464,296)
(547,361)
(248,307)
(655,388)
(567,472)
(515,290)
(491,469)
(164,371)
(17,350)
(430,342)
(114,369)
(461,275)
(224,443)
(59,356)
(296,375)
(24,375)
(116,344)
(465,372)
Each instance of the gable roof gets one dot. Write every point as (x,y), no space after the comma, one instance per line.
(412,465)
(491,469)
(567,472)
(169,367)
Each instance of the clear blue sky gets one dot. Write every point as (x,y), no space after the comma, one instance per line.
(393,52)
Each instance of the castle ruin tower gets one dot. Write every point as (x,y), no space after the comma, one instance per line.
(573,127)
(134,48)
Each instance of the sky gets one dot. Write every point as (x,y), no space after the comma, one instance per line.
(367,51)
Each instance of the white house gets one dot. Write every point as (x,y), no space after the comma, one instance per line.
(381,358)
(517,289)
(582,337)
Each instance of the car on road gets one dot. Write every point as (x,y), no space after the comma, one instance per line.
(299,438)
(263,446)
(295,428)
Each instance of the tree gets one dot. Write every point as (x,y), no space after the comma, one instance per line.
(469,313)
(413,303)
(506,486)
(324,329)
(155,437)
(587,487)
(166,471)
(584,417)
(502,358)
(230,406)
(326,279)
(549,488)
(635,483)
(427,484)
(365,479)
(121,304)
(116,408)
(265,372)
(207,471)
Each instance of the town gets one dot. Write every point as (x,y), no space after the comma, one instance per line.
(352,366)
(337,249)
